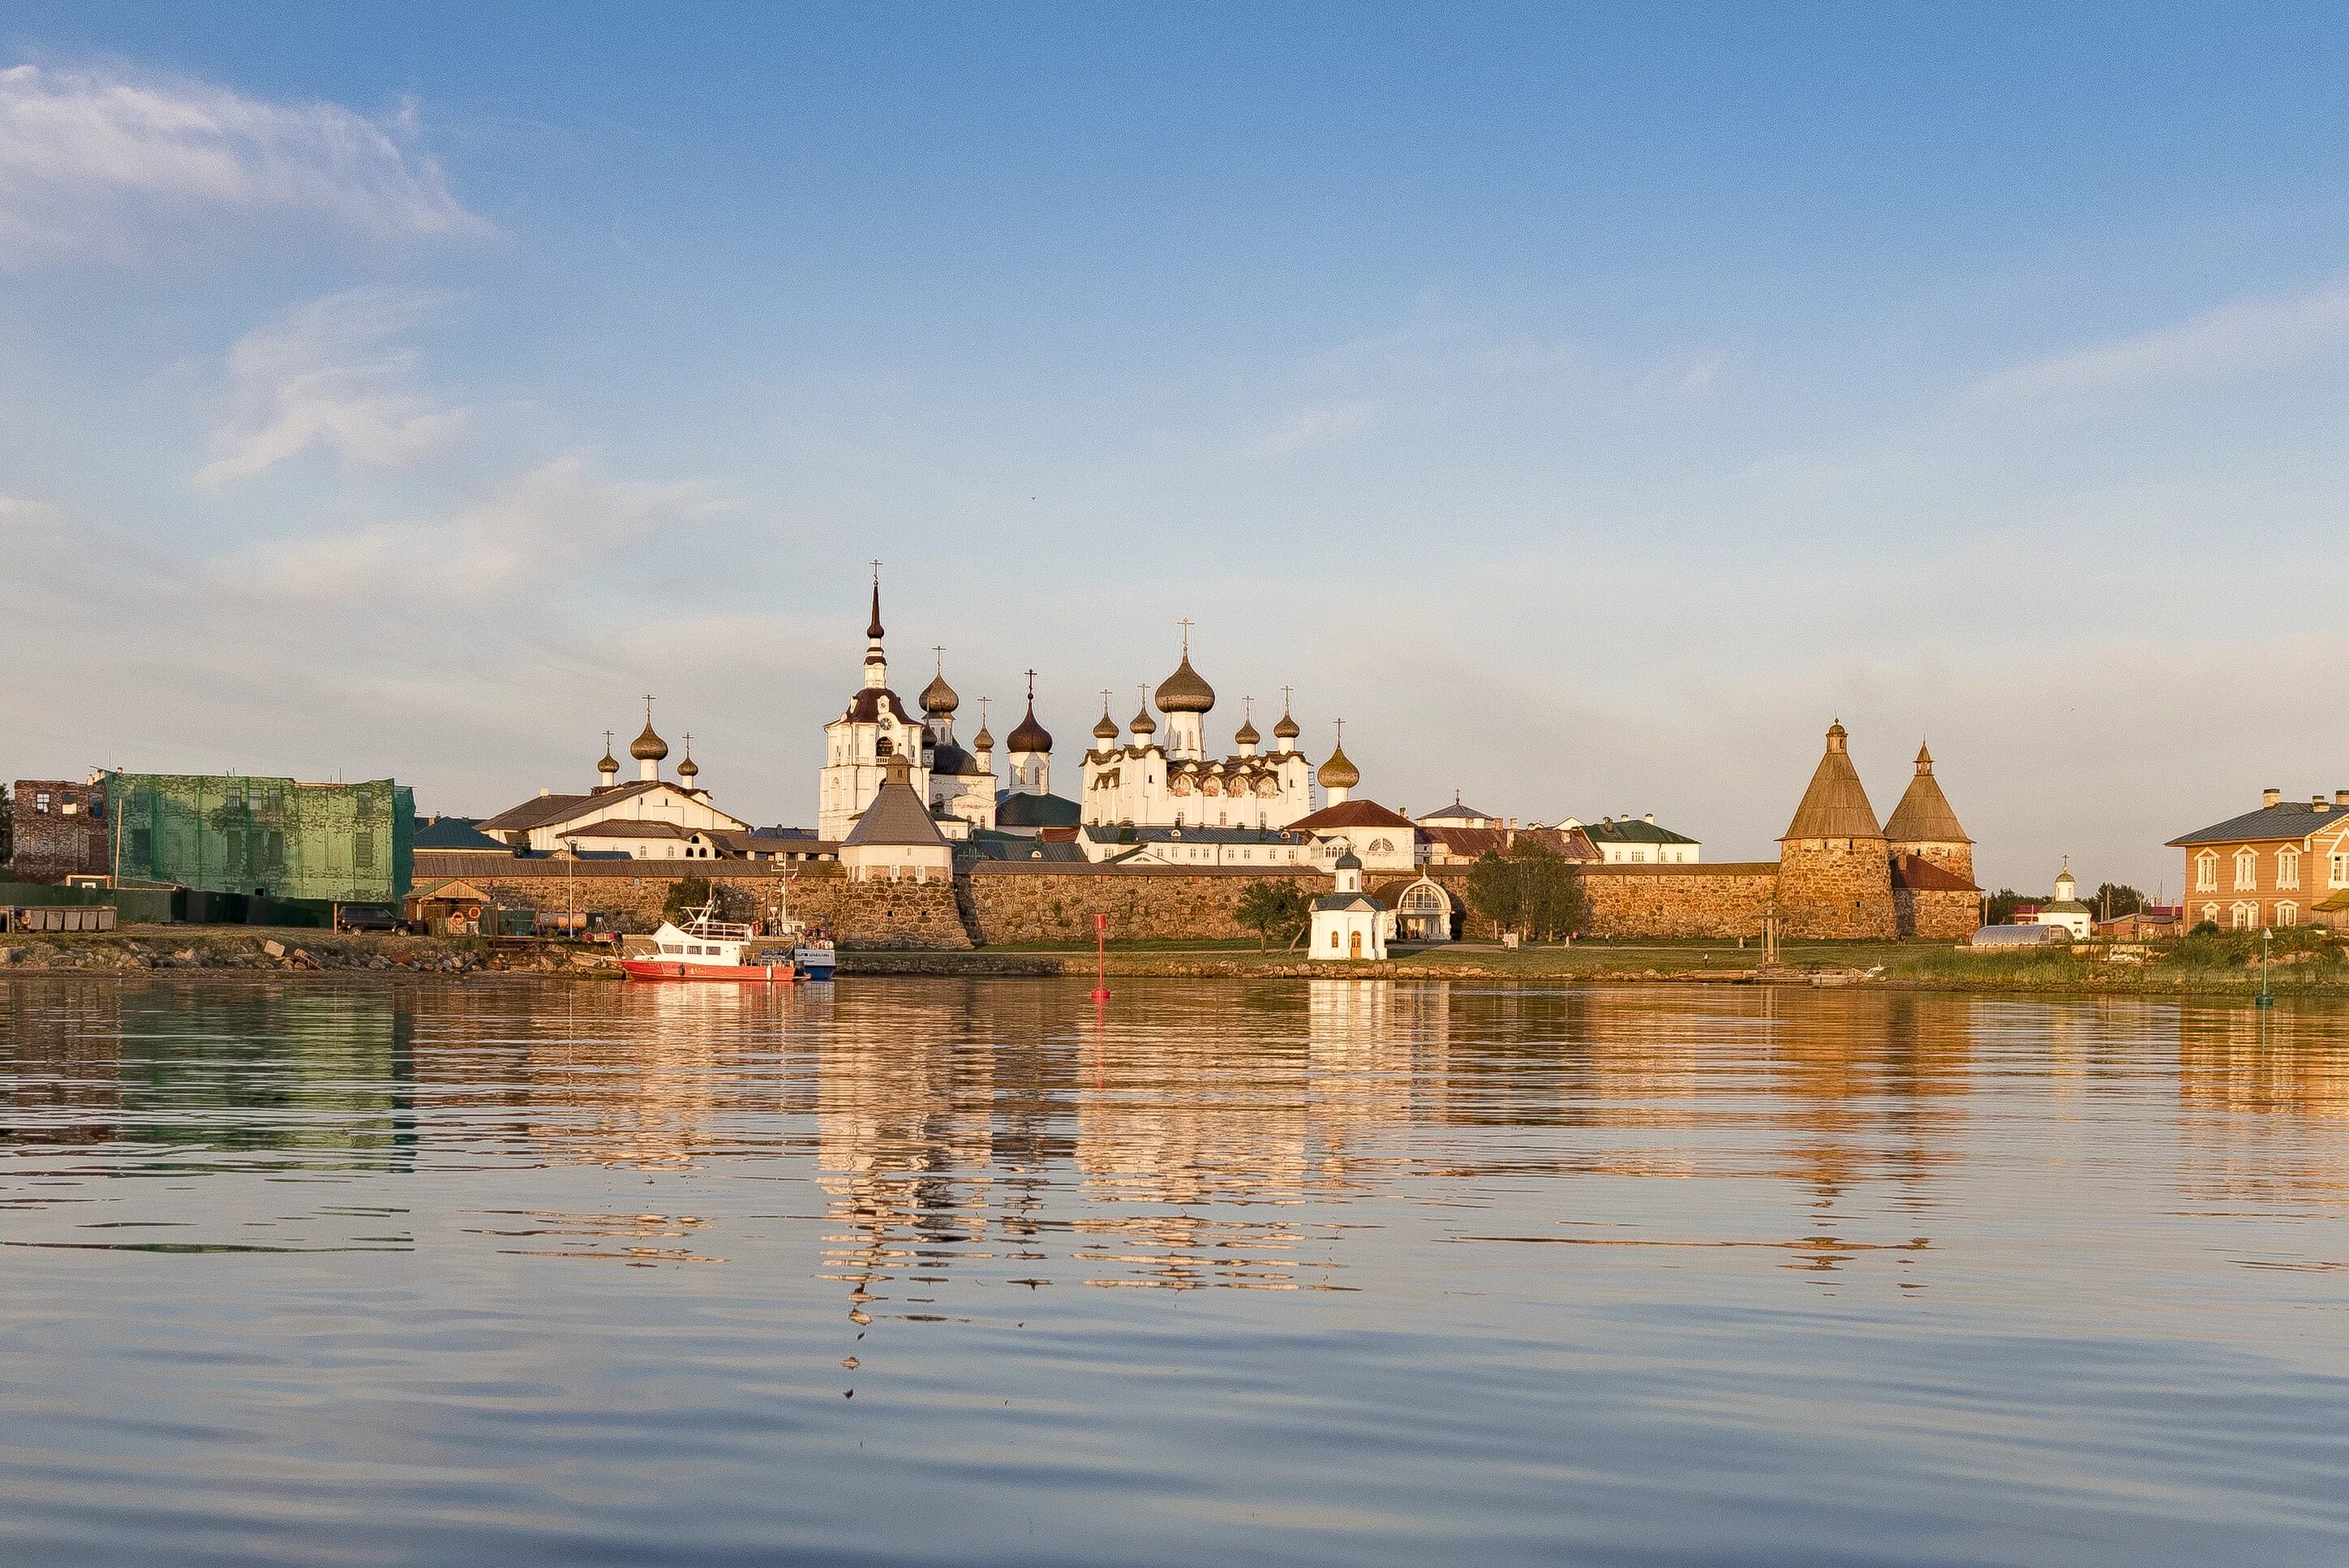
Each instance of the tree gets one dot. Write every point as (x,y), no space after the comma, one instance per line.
(2116,898)
(692,892)
(2000,912)
(1496,892)
(1550,897)
(1270,908)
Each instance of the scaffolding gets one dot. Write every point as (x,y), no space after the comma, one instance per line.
(276,838)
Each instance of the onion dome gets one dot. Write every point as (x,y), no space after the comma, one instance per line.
(1288,729)
(938,697)
(1030,736)
(689,770)
(610,764)
(1104,727)
(982,742)
(1144,724)
(1245,734)
(1338,772)
(1184,692)
(648,747)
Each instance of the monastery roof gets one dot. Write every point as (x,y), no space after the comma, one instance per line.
(1021,809)
(1470,842)
(871,701)
(1631,830)
(956,762)
(454,833)
(1012,847)
(1457,812)
(1347,901)
(1919,875)
(631,827)
(1924,816)
(1389,892)
(897,816)
(540,810)
(2288,819)
(1836,803)
(1352,814)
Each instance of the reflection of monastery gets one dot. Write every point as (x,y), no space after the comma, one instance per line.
(1168,824)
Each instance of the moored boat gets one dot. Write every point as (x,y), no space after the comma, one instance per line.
(708,949)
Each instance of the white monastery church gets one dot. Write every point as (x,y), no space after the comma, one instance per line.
(1143,781)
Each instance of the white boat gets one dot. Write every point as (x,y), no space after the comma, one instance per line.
(706,948)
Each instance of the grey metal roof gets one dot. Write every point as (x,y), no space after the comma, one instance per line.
(541,809)
(455,833)
(1347,901)
(1456,811)
(2290,819)
(985,846)
(1630,831)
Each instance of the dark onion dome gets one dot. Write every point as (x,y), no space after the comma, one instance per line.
(1184,692)
(1030,736)
(938,697)
(1349,861)
(1104,727)
(688,768)
(648,747)
(982,742)
(1337,772)
(610,764)
(1245,734)
(1144,724)
(871,702)
(1288,729)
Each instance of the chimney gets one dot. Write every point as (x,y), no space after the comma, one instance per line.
(1649,819)
(543,791)
(2341,797)
(2271,797)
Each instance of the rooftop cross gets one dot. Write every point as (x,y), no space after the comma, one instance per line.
(940,649)
(1185,624)
(1284,697)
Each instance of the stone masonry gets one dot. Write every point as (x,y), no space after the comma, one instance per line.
(60,830)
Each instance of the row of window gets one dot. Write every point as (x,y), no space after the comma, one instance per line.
(2247,869)
(2245,915)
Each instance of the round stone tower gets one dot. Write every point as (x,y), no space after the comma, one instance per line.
(1923,826)
(1834,869)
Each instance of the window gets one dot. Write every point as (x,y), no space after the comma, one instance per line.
(2287,914)
(41,800)
(2287,867)
(363,850)
(1333,938)
(67,808)
(2339,876)
(2205,872)
(2245,917)
(2247,868)
(2210,913)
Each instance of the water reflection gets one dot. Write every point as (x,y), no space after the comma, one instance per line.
(1353,1267)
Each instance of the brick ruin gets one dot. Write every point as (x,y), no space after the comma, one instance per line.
(59,830)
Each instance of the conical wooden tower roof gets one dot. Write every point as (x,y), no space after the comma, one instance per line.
(1835,806)
(1924,816)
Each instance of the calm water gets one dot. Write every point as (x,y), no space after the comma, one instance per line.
(1353,1273)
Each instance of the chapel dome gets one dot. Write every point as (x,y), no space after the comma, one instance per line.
(1184,692)
(1144,724)
(1104,727)
(1338,772)
(648,747)
(1030,736)
(1288,729)
(938,697)
(1245,734)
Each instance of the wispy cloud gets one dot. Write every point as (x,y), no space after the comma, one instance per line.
(1315,426)
(328,375)
(86,155)
(546,526)
(2234,339)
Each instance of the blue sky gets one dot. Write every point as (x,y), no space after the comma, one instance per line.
(1587,406)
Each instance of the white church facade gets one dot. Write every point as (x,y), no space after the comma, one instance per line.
(1142,781)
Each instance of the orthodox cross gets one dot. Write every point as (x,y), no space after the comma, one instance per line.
(1185,624)
(1031,689)
(982,712)
(1284,697)
(1104,702)
(608,742)
(648,710)
(940,649)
